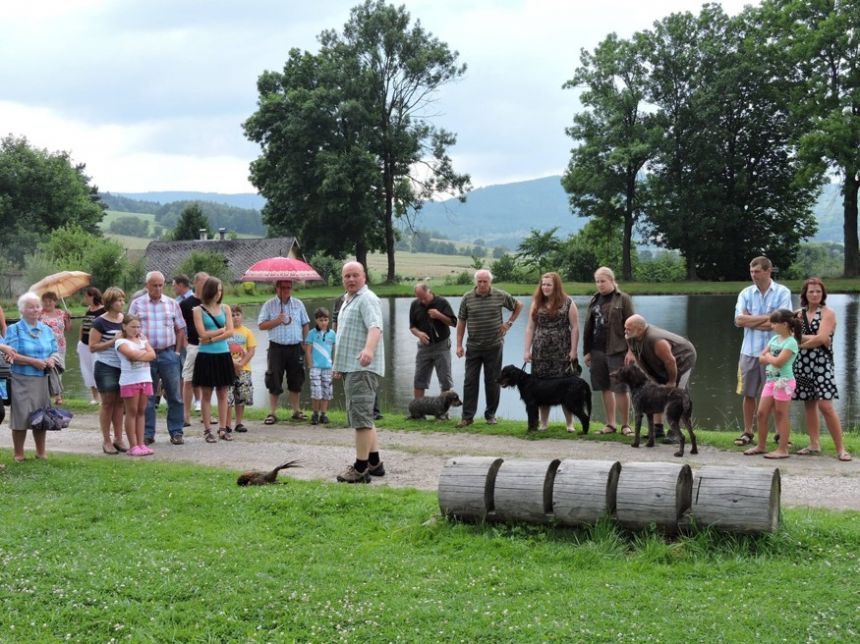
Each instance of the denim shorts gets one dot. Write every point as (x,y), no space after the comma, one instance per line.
(106,377)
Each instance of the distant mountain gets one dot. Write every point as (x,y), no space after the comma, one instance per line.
(240,200)
(502,215)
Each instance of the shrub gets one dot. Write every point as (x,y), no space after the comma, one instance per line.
(504,269)
(203,260)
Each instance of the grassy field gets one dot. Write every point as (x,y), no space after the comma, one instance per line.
(416,266)
(97,549)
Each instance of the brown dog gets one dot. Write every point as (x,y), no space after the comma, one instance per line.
(649,398)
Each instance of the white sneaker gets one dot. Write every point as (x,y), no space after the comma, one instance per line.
(94,402)
(196,405)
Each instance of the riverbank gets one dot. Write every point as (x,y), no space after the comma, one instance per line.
(414,459)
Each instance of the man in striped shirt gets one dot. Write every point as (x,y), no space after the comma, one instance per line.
(481,314)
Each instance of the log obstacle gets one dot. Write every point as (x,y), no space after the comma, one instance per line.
(466,487)
(584,491)
(636,495)
(745,500)
(523,491)
(653,493)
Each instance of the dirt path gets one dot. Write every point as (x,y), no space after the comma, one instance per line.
(415,459)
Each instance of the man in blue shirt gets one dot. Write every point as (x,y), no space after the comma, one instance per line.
(287,321)
(752,312)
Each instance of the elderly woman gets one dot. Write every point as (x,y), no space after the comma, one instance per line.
(552,336)
(35,351)
(814,371)
(605,347)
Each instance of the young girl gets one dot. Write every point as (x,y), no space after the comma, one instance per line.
(135,381)
(319,351)
(213,368)
(778,357)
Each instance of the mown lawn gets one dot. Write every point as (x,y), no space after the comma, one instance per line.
(121,550)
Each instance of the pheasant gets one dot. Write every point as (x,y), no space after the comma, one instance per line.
(253,477)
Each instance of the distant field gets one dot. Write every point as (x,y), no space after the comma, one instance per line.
(421,265)
(113,215)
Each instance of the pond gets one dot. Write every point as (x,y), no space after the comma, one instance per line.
(705,319)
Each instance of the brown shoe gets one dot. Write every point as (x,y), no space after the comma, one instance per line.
(376,470)
(352,475)
(464,423)
(208,436)
(176,439)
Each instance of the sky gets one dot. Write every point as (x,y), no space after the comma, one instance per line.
(151,94)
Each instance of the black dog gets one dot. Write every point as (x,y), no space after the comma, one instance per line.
(434,405)
(571,392)
(649,398)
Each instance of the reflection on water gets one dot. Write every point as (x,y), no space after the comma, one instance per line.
(705,319)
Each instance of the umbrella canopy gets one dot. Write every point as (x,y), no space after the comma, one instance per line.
(64,283)
(281,268)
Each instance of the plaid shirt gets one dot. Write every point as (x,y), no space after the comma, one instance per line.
(357,316)
(291,333)
(159,320)
(34,342)
(753,302)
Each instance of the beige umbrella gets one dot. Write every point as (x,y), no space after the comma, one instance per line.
(64,283)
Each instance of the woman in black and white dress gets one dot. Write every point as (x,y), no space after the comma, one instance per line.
(813,369)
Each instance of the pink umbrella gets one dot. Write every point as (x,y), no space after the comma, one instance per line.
(281,268)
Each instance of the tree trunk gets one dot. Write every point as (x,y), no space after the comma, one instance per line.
(361,254)
(388,180)
(692,276)
(627,262)
(849,227)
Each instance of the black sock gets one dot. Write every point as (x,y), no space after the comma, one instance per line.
(360,466)
(374,458)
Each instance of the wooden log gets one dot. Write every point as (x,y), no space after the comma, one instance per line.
(737,499)
(523,491)
(653,493)
(584,491)
(466,487)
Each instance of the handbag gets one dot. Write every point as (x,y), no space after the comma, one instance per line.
(574,368)
(51,419)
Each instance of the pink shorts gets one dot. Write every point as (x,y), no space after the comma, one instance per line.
(780,390)
(130,391)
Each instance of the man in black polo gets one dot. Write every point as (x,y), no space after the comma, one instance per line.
(430,320)
(481,313)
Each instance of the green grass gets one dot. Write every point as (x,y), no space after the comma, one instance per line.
(100,549)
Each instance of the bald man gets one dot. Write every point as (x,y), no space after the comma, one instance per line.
(667,358)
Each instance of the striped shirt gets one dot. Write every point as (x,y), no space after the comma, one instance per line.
(159,320)
(36,341)
(483,317)
(752,302)
(357,316)
(295,312)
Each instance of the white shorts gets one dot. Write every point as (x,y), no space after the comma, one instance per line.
(190,358)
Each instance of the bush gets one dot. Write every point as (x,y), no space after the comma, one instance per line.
(203,260)
(504,269)
(666,267)
(249,288)
(128,225)
(328,267)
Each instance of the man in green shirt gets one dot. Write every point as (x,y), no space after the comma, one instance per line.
(359,359)
(481,314)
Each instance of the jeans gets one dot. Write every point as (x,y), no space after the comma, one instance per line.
(491,361)
(166,369)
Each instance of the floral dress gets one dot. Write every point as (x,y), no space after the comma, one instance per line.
(813,369)
(551,343)
(57,323)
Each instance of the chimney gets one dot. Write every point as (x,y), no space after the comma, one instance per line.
(222,234)
(202,234)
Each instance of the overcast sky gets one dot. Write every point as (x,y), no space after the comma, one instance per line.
(151,94)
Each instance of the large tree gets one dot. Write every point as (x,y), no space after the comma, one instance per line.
(346,137)
(191,222)
(728,184)
(822,41)
(615,135)
(41,191)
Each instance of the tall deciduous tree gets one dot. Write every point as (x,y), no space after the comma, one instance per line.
(347,142)
(728,184)
(41,191)
(822,40)
(616,137)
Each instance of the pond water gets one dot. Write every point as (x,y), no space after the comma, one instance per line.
(705,319)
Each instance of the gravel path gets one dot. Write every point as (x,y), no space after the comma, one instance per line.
(415,459)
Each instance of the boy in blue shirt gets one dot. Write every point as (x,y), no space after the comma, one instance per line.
(319,351)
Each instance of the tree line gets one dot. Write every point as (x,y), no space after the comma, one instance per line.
(713,134)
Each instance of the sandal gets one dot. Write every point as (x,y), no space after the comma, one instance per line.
(844,457)
(627,430)
(608,429)
(744,439)
(271,419)
(207,434)
(298,415)
(224,434)
(808,451)
(754,451)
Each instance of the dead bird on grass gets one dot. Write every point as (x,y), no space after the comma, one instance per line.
(253,477)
